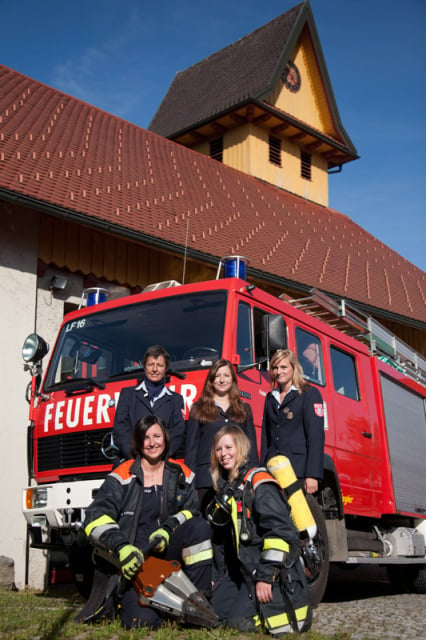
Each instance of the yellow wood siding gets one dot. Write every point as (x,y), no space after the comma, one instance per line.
(246,148)
(90,252)
(309,104)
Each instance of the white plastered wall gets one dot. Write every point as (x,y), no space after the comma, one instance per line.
(18,269)
(28,305)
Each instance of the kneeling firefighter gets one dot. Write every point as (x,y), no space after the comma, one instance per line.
(151,500)
(259,580)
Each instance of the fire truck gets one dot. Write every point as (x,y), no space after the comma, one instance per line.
(371,505)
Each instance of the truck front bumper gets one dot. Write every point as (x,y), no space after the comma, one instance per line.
(60,505)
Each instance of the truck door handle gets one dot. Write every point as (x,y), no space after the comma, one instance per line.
(367,434)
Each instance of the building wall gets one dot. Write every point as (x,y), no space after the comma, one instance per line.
(18,268)
(246,148)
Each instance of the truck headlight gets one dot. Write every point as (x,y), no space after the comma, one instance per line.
(34,348)
(36,498)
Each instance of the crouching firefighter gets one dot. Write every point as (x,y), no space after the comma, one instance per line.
(144,501)
(259,581)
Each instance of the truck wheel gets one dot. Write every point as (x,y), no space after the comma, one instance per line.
(316,555)
(407,578)
(82,567)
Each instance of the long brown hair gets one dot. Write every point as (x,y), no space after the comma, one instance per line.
(242,445)
(205,409)
(298,379)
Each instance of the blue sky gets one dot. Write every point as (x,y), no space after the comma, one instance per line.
(121,56)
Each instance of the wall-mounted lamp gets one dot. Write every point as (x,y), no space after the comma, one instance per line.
(58,283)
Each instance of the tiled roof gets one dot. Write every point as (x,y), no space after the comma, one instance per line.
(242,70)
(64,153)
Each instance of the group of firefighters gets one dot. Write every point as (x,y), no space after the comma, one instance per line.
(224,517)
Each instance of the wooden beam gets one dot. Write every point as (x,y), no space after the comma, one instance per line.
(198,136)
(250,112)
(280,128)
(298,136)
(313,145)
(218,128)
(237,118)
(263,118)
(332,155)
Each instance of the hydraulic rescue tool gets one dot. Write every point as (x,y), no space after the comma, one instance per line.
(159,583)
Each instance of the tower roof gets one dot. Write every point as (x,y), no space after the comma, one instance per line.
(245,72)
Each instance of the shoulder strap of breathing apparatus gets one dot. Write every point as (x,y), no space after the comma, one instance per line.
(252,479)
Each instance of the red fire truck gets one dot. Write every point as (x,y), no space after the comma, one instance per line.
(371,505)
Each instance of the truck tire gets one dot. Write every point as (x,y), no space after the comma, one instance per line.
(316,556)
(407,578)
(82,567)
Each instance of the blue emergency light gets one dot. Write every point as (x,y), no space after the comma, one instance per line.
(95,295)
(233,267)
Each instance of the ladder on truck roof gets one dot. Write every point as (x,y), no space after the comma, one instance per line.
(347,318)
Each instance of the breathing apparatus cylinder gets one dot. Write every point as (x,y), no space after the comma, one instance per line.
(280,468)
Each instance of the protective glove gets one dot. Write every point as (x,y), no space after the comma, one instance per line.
(131,559)
(164,539)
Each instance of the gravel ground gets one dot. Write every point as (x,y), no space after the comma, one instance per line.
(362,603)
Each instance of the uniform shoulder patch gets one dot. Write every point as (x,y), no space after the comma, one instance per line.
(319,409)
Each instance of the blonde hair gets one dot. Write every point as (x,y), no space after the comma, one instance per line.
(298,379)
(242,445)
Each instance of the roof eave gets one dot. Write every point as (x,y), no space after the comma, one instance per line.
(165,245)
(349,150)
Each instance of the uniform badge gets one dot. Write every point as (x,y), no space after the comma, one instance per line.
(290,415)
(286,410)
(319,410)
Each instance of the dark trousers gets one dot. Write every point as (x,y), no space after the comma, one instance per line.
(232,600)
(191,532)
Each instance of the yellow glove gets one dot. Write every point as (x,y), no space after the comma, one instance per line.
(131,559)
(164,539)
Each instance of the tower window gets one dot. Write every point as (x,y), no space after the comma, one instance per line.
(216,149)
(305,165)
(275,150)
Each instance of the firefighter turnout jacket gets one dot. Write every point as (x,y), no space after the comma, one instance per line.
(266,548)
(113,518)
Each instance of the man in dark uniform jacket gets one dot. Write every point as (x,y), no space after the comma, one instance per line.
(150,397)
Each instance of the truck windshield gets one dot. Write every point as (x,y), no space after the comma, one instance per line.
(110,344)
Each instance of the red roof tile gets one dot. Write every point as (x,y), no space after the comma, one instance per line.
(62,152)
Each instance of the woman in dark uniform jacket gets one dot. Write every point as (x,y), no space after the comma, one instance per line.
(218,405)
(293,420)
(150,397)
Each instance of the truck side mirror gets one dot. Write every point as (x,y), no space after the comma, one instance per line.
(273,333)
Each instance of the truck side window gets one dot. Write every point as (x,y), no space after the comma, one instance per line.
(249,334)
(259,350)
(244,334)
(309,353)
(344,373)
